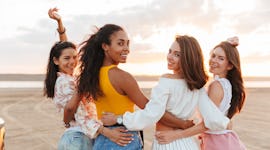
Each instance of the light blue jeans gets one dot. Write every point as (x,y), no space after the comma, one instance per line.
(75,140)
(103,143)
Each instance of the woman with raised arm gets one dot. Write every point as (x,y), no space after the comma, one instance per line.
(60,85)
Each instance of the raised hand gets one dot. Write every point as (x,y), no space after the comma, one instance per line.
(53,14)
(233,41)
(61,29)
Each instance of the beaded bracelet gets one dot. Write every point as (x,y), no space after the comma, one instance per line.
(67,125)
(62,31)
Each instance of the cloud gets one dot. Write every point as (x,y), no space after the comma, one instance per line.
(256,58)
(142,21)
(146,57)
(31,45)
(249,22)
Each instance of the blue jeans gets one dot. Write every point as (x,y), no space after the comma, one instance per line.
(75,140)
(103,143)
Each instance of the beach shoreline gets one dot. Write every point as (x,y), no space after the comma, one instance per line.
(33,123)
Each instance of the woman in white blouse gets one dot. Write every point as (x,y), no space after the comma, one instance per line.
(179,93)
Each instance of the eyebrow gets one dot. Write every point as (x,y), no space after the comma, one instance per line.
(122,40)
(174,50)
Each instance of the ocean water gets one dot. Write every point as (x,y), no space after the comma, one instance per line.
(142,84)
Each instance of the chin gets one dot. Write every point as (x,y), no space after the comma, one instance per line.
(123,61)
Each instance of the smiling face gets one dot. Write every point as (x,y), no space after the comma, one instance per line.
(116,52)
(218,63)
(67,61)
(173,58)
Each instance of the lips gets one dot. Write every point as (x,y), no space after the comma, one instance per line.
(124,56)
(213,65)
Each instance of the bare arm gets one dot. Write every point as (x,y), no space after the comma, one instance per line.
(215,92)
(170,120)
(61,29)
(71,108)
(165,137)
(131,88)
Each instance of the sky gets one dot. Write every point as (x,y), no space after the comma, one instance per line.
(27,33)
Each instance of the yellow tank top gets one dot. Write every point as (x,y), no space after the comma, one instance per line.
(112,101)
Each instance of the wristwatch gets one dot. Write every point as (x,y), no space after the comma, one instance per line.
(119,119)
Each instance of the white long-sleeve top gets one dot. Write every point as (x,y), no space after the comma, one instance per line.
(174,96)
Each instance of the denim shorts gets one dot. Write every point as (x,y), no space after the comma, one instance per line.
(75,140)
(103,143)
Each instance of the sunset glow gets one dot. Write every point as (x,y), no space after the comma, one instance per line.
(26,37)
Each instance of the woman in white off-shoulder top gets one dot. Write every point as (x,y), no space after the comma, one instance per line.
(179,93)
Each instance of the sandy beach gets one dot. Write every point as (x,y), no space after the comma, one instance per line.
(32,122)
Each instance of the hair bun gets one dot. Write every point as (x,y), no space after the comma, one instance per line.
(234,41)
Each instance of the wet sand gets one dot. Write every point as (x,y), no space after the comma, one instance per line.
(32,122)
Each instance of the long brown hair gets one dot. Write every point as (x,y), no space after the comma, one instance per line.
(191,62)
(52,68)
(235,77)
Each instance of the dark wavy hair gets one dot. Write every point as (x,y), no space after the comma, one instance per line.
(192,62)
(92,57)
(52,69)
(235,77)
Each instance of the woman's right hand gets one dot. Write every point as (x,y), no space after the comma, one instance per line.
(188,124)
(118,135)
(166,137)
(53,14)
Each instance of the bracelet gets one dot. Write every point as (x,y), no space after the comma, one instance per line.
(67,125)
(62,31)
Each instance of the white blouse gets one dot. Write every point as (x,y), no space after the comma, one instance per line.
(225,103)
(174,96)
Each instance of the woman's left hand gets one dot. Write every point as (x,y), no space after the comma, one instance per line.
(165,137)
(120,136)
(108,118)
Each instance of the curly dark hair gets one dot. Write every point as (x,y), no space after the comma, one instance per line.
(92,56)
